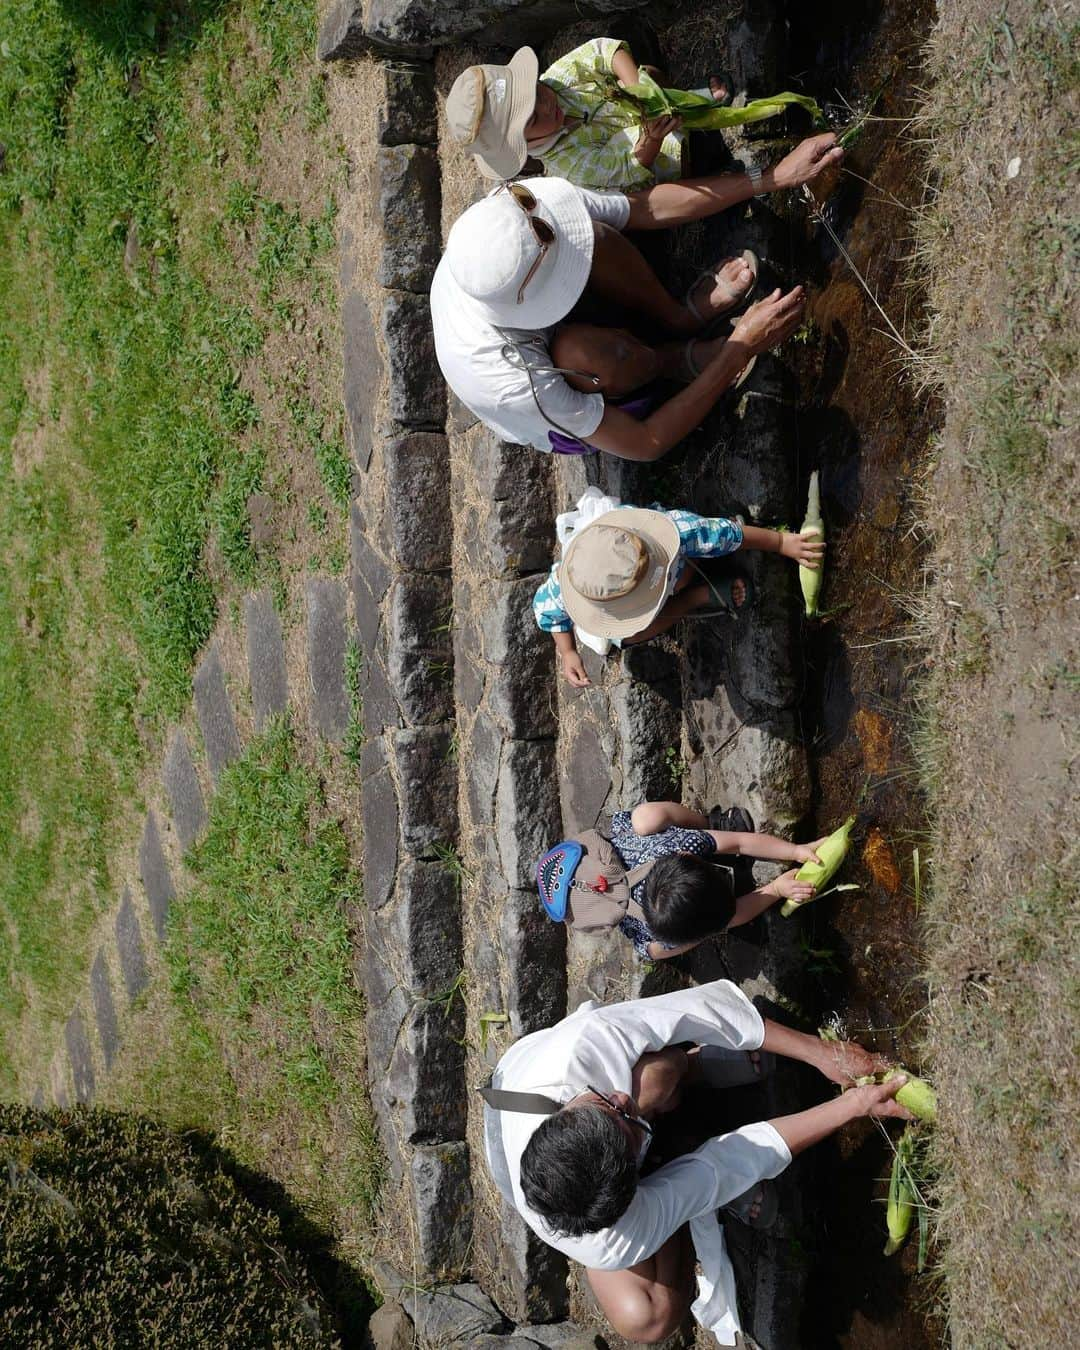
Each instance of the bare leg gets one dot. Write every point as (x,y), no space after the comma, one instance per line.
(620,273)
(650,1300)
(680,604)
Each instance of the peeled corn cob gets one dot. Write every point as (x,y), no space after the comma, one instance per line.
(810,578)
(832,853)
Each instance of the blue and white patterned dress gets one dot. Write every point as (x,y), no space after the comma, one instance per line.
(635,849)
(699,537)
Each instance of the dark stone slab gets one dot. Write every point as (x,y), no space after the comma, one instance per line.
(37,1101)
(370,578)
(184,791)
(534,954)
(265,658)
(469,670)
(129,947)
(457,1315)
(379,813)
(648,712)
(417,391)
(426,773)
(215,714)
(156,878)
(586,780)
(442,1199)
(764,660)
(342,33)
(104,1009)
(535,1273)
(426,1076)
(363,363)
(410,200)
(519,534)
(327,635)
(408,114)
(379,707)
(419,937)
(557,1335)
(413,26)
(418,500)
(420,655)
(528,820)
(522,694)
(82,1065)
(482,751)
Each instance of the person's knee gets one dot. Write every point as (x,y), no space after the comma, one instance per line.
(648,1318)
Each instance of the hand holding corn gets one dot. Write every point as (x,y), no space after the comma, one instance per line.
(844,1062)
(808,549)
(878,1100)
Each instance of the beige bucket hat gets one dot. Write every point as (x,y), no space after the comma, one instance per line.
(486,111)
(616,573)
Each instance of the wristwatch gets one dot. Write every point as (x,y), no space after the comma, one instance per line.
(754,175)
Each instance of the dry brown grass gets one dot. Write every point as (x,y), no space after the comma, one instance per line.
(999,739)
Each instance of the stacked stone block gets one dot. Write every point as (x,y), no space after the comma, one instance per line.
(400,534)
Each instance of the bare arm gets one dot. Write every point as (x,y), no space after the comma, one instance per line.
(624,67)
(652,817)
(766,846)
(806,549)
(806,1128)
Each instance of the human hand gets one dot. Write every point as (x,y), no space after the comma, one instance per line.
(843,1062)
(787,888)
(574,669)
(807,160)
(877,1100)
(769,321)
(805,853)
(808,549)
(658,127)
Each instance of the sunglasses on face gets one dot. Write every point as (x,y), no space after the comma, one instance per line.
(542,231)
(632,1120)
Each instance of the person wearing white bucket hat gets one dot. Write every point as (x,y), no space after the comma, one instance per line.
(516,264)
(629,575)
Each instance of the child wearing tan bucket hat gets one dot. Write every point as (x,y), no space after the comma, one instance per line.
(628,575)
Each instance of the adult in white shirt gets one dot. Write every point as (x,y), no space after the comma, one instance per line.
(568,1161)
(517,263)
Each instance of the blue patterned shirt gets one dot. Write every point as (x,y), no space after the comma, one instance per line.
(635,849)
(700,537)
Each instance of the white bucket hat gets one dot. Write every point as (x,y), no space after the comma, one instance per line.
(616,573)
(492,248)
(486,111)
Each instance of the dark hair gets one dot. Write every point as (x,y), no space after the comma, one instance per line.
(579,1171)
(686,898)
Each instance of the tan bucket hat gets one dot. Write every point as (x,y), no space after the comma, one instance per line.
(486,111)
(616,572)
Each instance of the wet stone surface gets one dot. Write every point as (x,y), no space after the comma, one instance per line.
(417,497)
(104,1009)
(156,878)
(327,636)
(129,947)
(443,1208)
(82,1064)
(425,1073)
(265,658)
(214,712)
(427,776)
(181,783)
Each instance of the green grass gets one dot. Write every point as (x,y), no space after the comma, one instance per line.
(255,1031)
(145,261)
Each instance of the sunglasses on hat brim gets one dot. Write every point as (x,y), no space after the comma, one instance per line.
(543,233)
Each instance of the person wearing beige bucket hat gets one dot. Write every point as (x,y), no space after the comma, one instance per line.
(630,574)
(516,264)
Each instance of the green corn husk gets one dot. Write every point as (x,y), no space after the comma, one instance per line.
(701,113)
(810,578)
(832,853)
(916,1094)
(903,1195)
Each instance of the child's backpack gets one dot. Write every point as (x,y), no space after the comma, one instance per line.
(583,882)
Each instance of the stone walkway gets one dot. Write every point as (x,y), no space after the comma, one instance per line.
(258,685)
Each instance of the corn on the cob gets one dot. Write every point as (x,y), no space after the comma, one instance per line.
(832,853)
(916,1094)
(903,1196)
(810,578)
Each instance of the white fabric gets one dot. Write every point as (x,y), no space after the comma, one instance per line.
(591,504)
(599,1046)
(469,349)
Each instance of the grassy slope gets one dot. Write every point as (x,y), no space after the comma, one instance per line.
(999,737)
(167,347)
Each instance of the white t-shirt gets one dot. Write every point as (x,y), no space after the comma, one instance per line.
(469,348)
(598,1047)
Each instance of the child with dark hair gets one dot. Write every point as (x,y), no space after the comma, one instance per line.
(687,896)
